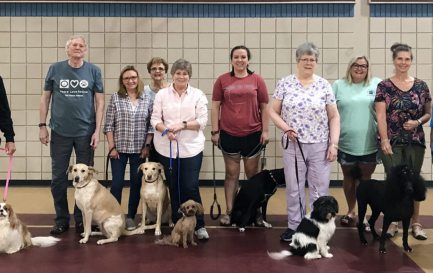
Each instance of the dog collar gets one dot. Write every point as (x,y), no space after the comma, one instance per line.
(78,187)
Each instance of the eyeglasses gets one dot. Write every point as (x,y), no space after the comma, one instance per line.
(157,69)
(127,79)
(307,60)
(360,66)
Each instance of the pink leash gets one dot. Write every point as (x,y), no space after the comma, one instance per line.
(8,178)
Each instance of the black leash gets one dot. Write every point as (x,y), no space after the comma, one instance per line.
(285,146)
(107,162)
(215,201)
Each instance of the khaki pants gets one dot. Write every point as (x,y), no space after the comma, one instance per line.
(412,155)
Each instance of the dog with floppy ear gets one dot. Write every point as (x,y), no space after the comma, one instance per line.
(15,236)
(155,198)
(394,197)
(183,231)
(98,205)
(314,232)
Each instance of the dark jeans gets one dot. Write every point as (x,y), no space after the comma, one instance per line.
(188,185)
(60,151)
(118,167)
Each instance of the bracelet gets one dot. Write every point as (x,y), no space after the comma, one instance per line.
(165,132)
(214,132)
(419,121)
(334,145)
(384,140)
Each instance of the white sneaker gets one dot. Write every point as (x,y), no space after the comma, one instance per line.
(201,234)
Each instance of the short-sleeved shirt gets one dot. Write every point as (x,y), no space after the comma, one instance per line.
(240,103)
(403,106)
(130,125)
(72,98)
(358,126)
(304,109)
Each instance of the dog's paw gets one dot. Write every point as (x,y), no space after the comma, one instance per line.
(407,248)
(241,229)
(267,225)
(171,224)
(364,242)
(328,255)
(382,250)
(312,256)
(157,232)
(84,240)
(193,243)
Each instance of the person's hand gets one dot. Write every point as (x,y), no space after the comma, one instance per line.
(114,154)
(264,138)
(410,125)
(386,147)
(215,139)
(331,154)
(95,140)
(44,136)
(10,148)
(292,134)
(171,135)
(145,152)
(176,127)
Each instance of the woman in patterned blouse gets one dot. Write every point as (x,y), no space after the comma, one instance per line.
(304,108)
(129,133)
(403,105)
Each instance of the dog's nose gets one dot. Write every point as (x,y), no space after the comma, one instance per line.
(76,178)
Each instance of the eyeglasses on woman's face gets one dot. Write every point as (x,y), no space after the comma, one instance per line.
(132,78)
(359,66)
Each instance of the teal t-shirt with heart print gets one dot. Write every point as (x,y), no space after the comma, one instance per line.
(72,99)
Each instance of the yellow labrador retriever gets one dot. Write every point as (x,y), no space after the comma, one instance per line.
(98,205)
(155,198)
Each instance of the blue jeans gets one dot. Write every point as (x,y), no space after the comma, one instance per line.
(60,151)
(188,185)
(118,167)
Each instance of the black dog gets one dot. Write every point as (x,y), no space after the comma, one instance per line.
(254,194)
(314,232)
(393,197)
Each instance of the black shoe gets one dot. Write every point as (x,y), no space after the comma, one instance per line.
(287,235)
(79,227)
(59,229)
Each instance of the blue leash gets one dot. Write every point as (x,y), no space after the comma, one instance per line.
(170,168)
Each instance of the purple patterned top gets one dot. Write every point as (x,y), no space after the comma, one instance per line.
(402,106)
(304,109)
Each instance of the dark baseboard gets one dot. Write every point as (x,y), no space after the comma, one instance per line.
(203,183)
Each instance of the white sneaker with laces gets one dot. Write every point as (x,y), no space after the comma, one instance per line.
(201,234)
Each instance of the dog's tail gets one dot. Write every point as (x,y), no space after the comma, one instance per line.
(279,255)
(166,240)
(44,241)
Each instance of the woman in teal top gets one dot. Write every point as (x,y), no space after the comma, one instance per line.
(355,95)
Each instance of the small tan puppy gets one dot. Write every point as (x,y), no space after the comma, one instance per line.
(183,231)
(15,236)
(155,198)
(98,205)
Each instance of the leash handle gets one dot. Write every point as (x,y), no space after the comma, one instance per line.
(215,201)
(8,177)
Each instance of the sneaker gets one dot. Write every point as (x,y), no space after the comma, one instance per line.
(392,230)
(59,229)
(418,233)
(130,224)
(201,234)
(287,235)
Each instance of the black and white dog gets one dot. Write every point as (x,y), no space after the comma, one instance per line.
(253,195)
(314,232)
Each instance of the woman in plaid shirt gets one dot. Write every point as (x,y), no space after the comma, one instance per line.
(129,133)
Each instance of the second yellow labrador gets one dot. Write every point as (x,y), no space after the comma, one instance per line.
(98,205)
(155,198)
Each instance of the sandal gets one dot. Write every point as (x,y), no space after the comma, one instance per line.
(367,227)
(418,233)
(392,230)
(225,220)
(346,220)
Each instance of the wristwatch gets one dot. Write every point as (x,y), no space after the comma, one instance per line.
(43,124)
(185,124)
(214,132)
